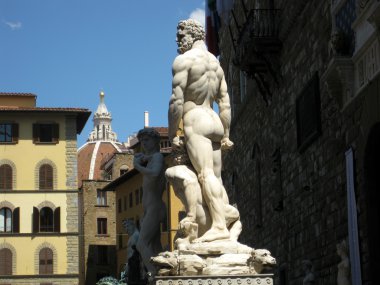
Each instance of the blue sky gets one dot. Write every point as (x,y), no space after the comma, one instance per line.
(67,51)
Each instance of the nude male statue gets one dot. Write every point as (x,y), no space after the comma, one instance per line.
(182,176)
(198,81)
(151,165)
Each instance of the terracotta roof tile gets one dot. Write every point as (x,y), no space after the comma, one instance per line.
(41,109)
(161,130)
(17,94)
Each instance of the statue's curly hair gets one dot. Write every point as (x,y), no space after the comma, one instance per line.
(151,132)
(195,29)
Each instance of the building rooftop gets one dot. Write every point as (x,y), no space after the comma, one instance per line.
(17,94)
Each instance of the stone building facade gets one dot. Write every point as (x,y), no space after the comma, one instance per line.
(39,192)
(98,245)
(100,160)
(304,83)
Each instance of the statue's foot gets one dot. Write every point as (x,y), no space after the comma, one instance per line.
(213,234)
(187,219)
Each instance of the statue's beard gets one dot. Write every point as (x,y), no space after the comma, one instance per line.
(185,44)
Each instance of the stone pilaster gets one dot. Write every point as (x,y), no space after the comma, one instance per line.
(71,153)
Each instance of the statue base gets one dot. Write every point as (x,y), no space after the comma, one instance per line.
(257,279)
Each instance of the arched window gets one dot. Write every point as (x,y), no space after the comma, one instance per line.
(46,177)
(5,261)
(46,261)
(46,220)
(5,177)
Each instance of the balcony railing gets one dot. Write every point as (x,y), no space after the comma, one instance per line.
(261,23)
(256,46)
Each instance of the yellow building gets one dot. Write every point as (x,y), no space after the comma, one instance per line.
(38,191)
(128,197)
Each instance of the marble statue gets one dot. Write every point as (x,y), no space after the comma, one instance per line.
(344,276)
(210,231)
(198,82)
(151,165)
(197,221)
(307,267)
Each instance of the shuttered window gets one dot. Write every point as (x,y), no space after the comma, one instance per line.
(8,133)
(5,177)
(45,133)
(46,177)
(46,220)
(46,261)
(5,261)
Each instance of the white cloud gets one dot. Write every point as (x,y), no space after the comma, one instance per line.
(199,15)
(13,25)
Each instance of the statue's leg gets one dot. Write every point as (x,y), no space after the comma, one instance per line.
(150,228)
(200,150)
(231,213)
(186,187)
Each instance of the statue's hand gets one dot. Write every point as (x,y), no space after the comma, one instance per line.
(138,159)
(226,144)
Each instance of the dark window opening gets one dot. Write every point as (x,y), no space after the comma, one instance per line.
(46,220)
(45,133)
(102,255)
(130,200)
(102,226)
(137,196)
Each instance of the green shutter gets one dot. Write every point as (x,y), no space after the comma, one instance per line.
(36,220)
(57,220)
(55,138)
(15,133)
(36,133)
(16,220)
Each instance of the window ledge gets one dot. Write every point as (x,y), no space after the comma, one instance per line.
(101,206)
(45,142)
(9,143)
(102,235)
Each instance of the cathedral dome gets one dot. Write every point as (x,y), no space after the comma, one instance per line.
(101,144)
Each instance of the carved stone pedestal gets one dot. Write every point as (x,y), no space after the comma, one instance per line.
(257,279)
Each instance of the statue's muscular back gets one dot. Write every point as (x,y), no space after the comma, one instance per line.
(204,76)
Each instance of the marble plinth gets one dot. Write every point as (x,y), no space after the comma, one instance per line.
(257,279)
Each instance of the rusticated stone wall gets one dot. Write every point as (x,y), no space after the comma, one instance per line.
(72,214)
(294,202)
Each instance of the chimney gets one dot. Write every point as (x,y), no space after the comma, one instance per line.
(146,119)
